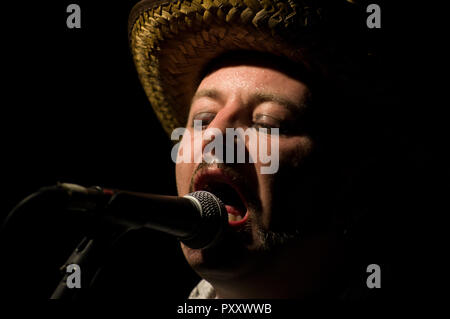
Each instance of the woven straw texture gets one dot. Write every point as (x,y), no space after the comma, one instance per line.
(171,41)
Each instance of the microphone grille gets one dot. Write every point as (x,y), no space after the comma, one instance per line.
(209,202)
(214,219)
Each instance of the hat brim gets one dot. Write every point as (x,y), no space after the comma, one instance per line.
(171,42)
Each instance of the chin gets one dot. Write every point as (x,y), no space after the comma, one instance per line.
(223,261)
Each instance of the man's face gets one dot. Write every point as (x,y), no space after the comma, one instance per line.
(264,209)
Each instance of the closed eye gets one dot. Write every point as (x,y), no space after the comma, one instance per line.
(264,121)
(204,117)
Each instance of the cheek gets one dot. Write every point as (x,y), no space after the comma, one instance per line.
(184,169)
(280,192)
(294,178)
(183,173)
(273,188)
(294,151)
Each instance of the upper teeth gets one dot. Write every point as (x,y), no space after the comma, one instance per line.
(234,218)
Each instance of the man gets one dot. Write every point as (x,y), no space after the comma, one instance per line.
(273,65)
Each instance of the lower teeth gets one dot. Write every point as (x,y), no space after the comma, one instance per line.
(234,218)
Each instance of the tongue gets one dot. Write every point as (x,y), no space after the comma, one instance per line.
(232,210)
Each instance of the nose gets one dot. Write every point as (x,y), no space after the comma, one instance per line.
(232,116)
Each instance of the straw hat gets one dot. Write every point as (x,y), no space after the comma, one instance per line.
(172,40)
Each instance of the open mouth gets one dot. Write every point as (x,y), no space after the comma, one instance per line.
(229,194)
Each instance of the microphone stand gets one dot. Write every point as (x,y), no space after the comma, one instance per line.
(79,257)
(89,256)
(99,239)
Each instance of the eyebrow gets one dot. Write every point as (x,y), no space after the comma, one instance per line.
(256,98)
(261,97)
(211,93)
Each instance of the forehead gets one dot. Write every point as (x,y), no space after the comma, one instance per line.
(253,70)
(252,78)
(257,59)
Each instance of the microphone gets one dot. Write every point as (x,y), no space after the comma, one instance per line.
(197,219)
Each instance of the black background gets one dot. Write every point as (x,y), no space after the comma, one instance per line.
(73,110)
